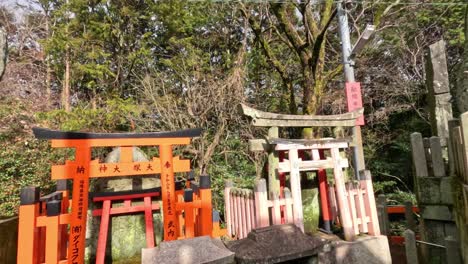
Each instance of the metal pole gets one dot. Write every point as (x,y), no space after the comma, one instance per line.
(345,43)
(358,154)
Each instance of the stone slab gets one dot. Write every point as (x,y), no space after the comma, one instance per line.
(429,190)
(436,212)
(446,193)
(365,249)
(188,251)
(275,244)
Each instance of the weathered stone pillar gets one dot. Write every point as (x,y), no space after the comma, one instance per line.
(437,83)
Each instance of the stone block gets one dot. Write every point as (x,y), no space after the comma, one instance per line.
(436,212)
(274,244)
(446,193)
(432,232)
(366,249)
(452,230)
(188,251)
(429,190)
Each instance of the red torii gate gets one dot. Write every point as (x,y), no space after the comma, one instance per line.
(83,168)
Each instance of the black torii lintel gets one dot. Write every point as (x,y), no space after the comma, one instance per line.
(44,133)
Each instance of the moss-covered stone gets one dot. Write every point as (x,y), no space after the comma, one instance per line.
(311,209)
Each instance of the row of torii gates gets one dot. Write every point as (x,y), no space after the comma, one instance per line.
(52,228)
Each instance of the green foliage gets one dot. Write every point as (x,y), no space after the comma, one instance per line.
(26,163)
(231,165)
(115,115)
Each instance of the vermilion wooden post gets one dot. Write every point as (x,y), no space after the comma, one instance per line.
(323,188)
(149,222)
(76,242)
(168,193)
(63,236)
(189,216)
(52,231)
(206,211)
(103,229)
(27,231)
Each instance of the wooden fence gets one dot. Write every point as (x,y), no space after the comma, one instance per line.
(246,209)
(362,209)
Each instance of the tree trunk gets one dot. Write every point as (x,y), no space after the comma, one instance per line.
(3,51)
(66,83)
(48,72)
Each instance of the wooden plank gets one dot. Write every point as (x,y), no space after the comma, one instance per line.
(240,216)
(361,210)
(276,211)
(369,203)
(100,170)
(234,225)
(345,217)
(295,180)
(352,206)
(228,184)
(342,142)
(288,206)
(333,204)
(243,222)
(125,210)
(419,156)
(312,165)
(261,203)
(252,210)
(317,145)
(254,113)
(248,220)
(438,165)
(260,122)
